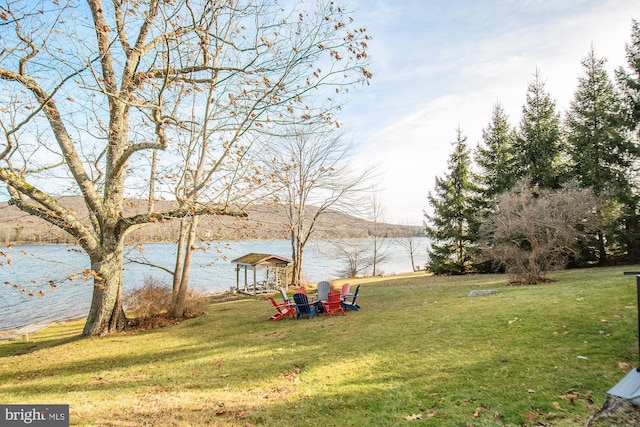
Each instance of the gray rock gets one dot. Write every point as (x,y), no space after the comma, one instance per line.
(478,293)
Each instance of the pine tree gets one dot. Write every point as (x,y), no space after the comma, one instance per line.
(599,150)
(538,141)
(453,214)
(629,84)
(495,158)
(629,80)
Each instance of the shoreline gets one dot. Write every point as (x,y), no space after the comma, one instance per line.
(23,332)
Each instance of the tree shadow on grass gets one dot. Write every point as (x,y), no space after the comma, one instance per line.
(38,342)
(43,339)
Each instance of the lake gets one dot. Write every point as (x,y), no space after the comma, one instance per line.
(33,267)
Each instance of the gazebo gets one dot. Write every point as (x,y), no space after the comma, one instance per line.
(274,266)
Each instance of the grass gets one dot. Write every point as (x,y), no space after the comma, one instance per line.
(420,352)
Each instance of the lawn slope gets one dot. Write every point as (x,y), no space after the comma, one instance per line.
(420,352)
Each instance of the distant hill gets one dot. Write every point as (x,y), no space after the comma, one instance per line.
(264,222)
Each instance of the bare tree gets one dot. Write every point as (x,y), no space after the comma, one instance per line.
(377,233)
(411,245)
(91,92)
(534,231)
(356,255)
(312,166)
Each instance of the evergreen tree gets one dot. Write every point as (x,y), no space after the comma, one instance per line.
(453,214)
(629,80)
(599,149)
(495,158)
(629,84)
(538,141)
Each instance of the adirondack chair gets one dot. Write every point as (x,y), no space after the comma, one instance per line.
(303,307)
(285,298)
(323,293)
(284,309)
(332,304)
(344,293)
(323,290)
(351,305)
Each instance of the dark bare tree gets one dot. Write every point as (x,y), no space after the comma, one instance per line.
(532,231)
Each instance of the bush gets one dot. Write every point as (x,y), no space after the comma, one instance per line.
(533,231)
(150,300)
(195,304)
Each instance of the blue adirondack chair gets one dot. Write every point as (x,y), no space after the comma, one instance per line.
(303,307)
(351,305)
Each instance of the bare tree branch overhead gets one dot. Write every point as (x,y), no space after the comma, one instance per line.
(93,93)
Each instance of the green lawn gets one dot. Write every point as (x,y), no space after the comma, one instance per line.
(420,352)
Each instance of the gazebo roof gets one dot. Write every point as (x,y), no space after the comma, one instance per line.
(254,259)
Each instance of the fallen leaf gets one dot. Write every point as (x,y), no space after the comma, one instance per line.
(413,417)
(530,416)
(529,390)
(624,366)
(556,405)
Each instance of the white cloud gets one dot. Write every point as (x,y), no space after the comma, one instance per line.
(423,91)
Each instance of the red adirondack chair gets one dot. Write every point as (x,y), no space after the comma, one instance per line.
(344,293)
(332,304)
(284,309)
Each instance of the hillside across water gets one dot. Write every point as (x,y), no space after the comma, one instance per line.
(263,222)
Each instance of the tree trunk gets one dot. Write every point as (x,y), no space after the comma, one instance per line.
(177,309)
(375,257)
(296,256)
(632,230)
(601,249)
(106,314)
(179,266)
(615,411)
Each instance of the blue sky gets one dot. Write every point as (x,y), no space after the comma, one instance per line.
(440,64)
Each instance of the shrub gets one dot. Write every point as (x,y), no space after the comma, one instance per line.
(533,231)
(195,304)
(150,300)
